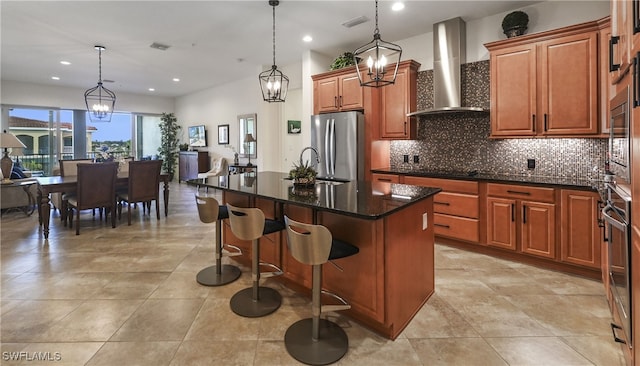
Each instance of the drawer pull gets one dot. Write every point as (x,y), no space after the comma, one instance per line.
(513,212)
(524,214)
(442,225)
(519,192)
(384,179)
(615,337)
(441,203)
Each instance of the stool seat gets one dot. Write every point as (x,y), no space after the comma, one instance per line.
(316,341)
(220,274)
(250,224)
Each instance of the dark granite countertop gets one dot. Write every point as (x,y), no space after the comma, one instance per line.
(560,182)
(363,199)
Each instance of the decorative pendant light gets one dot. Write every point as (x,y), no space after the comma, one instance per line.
(99,100)
(380,58)
(273,82)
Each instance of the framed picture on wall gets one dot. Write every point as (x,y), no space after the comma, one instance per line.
(223,134)
(293,127)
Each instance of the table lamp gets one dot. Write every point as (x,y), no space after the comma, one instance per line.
(248,140)
(8,141)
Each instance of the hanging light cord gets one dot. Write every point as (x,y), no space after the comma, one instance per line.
(99,65)
(376,31)
(274,33)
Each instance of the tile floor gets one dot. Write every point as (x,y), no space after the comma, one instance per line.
(128,296)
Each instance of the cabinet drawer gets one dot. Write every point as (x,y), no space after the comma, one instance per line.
(521,192)
(456,227)
(447,185)
(388,178)
(456,204)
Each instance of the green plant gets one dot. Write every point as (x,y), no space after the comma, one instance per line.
(516,19)
(168,149)
(303,173)
(183,146)
(344,60)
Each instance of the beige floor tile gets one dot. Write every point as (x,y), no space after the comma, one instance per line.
(159,320)
(94,320)
(378,352)
(438,319)
(32,319)
(456,351)
(63,354)
(203,352)
(217,322)
(599,350)
(536,351)
(132,285)
(181,285)
(274,353)
(134,354)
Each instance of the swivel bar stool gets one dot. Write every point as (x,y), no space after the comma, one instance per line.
(316,341)
(250,224)
(209,211)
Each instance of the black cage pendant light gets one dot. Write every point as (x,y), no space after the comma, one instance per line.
(273,82)
(380,58)
(99,100)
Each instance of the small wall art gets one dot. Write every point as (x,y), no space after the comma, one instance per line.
(293,127)
(223,134)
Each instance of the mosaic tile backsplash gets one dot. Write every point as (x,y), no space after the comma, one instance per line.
(460,142)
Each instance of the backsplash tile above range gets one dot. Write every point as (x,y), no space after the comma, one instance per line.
(460,142)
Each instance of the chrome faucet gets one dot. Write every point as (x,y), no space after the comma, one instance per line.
(314,150)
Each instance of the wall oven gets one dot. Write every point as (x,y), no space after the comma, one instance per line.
(619,148)
(616,215)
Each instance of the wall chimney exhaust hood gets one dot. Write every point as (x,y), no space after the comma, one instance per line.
(450,51)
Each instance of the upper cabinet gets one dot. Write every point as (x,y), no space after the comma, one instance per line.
(337,91)
(546,84)
(621,39)
(396,101)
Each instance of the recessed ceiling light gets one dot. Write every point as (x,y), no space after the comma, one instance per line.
(307,38)
(176,79)
(55,78)
(65,62)
(152,89)
(397,6)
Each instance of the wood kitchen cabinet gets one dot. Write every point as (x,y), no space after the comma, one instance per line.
(457,212)
(535,91)
(522,218)
(190,163)
(607,89)
(621,40)
(396,101)
(337,91)
(388,178)
(580,237)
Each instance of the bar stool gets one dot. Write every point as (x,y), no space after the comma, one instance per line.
(250,224)
(209,211)
(316,341)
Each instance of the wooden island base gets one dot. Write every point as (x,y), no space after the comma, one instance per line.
(386,283)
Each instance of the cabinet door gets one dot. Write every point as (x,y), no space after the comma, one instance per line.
(513,91)
(569,85)
(621,26)
(351,95)
(394,107)
(538,234)
(326,95)
(580,234)
(606,89)
(501,223)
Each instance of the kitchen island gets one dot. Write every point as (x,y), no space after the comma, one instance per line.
(391,277)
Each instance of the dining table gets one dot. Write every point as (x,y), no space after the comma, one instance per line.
(53,184)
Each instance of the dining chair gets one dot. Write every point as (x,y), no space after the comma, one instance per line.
(124,164)
(143,186)
(68,168)
(96,188)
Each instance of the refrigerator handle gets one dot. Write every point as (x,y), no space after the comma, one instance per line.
(332,149)
(327,155)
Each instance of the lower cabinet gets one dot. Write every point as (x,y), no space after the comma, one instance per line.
(580,234)
(190,163)
(515,223)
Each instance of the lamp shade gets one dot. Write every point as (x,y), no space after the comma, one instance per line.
(249,138)
(9,140)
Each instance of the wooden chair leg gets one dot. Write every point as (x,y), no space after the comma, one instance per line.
(77,221)
(129,213)
(113,216)
(157,210)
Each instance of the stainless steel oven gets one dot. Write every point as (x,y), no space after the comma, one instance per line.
(619,138)
(616,214)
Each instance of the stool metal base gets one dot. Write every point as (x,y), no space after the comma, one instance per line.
(210,277)
(243,304)
(331,345)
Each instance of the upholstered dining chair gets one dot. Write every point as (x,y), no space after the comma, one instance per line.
(144,187)
(124,164)
(96,188)
(68,168)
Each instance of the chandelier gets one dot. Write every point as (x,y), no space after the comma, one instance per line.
(381,57)
(99,100)
(273,82)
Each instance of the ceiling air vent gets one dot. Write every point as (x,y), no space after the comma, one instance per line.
(355,21)
(159,46)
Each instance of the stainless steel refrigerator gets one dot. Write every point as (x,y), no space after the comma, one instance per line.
(339,140)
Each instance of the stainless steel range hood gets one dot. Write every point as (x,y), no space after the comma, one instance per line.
(449,52)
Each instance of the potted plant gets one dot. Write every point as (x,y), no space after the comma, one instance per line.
(168,150)
(184,146)
(344,60)
(303,174)
(515,23)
